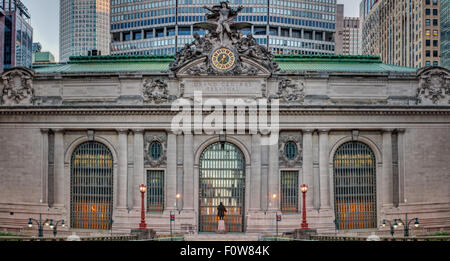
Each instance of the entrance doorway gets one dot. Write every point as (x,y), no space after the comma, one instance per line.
(222,179)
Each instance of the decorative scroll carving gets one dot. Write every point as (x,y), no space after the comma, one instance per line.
(289,92)
(155,91)
(17,87)
(434,86)
(283,160)
(150,137)
(224,35)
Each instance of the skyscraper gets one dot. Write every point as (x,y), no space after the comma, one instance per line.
(445,33)
(84,26)
(405,33)
(16,35)
(164,26)
(348,37)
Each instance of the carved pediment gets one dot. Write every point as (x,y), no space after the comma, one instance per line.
(17,87)
(434,86)
(223,50)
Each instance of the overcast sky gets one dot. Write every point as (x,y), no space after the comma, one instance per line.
(45,21)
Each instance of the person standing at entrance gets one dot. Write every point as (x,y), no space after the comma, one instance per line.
(221,213)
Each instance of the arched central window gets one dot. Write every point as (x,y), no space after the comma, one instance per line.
(354,170)
(222,179)
(91,186)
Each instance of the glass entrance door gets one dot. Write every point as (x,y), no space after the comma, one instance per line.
(222,179)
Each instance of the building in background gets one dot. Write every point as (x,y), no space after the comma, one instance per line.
(348,37)
(16,35)
(40,57)
(37,47)
(445,33)
(162,27)
(84,26)
(339,28)
(402,33)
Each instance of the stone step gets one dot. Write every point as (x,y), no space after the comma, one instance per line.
(222,237)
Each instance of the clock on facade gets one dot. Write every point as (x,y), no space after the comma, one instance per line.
(223,59)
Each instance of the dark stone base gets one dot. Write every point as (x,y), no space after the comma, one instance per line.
(143,233)
(304,233)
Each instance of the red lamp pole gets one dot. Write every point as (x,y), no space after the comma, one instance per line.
(304,189)
(142,189)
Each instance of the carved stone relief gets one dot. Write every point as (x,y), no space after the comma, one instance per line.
(290,92)
(223,50)
(17,87)
(156,91)
(434,87)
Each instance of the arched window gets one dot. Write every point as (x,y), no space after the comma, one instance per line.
(354,170)
(222,179)
(91,186)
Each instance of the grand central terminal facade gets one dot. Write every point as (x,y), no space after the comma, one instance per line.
(370,140)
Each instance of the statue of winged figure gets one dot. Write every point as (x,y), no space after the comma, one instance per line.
(221,19)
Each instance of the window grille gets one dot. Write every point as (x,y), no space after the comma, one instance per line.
(91,187)
(355,186)
(155,190)
(222,179)
(289,191)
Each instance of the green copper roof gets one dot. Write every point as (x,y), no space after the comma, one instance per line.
(287,63)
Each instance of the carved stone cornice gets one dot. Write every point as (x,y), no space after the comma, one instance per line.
(311,110)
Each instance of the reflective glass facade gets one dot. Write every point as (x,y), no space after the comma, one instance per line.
(17,35)
(84,26)
(163,27)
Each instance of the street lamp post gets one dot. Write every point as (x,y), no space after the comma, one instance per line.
(142,189)
(406,224)
(54,226)
(39,223)
(304,224)
(383,224)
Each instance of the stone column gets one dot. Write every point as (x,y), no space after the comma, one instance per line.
(323,168)
(171,170)
(59,168)
(401,166)
(387,183)
(188,169)
(264,175)
(273,174)
(255,178)
(308,164)
(123,168)
(138,166)
(44,169)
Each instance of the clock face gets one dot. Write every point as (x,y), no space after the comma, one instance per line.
(223,59)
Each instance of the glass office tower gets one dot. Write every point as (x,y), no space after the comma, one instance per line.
(161,27)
